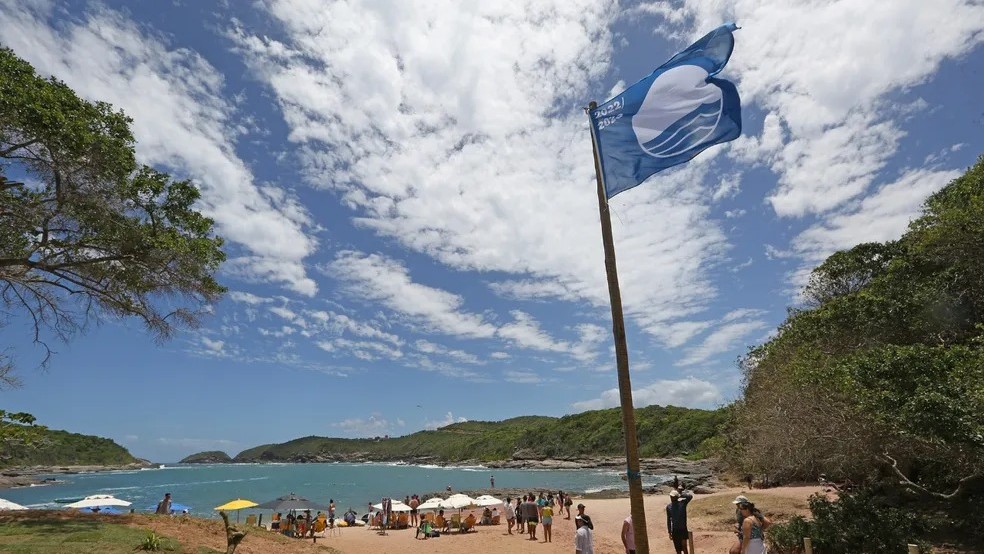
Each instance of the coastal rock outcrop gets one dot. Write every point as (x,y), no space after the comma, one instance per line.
(209,457)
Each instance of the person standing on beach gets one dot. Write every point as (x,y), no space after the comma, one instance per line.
(628,535)
(519,515)
(414,502)
(510,515)
(583,539)
(164,506)
(492,481)
(531,515)
(568,502)
(546,519)
(676,520)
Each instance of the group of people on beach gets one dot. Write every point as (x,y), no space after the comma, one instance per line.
(532,511)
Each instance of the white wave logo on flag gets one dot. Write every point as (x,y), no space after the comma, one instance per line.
(680,111)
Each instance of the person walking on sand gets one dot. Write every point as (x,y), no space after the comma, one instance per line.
(676,520)
(510,515)
(628,535)
(583,537)
(164,506)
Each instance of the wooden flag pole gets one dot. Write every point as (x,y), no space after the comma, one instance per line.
(633,475)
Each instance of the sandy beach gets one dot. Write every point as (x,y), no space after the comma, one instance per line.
(711,518)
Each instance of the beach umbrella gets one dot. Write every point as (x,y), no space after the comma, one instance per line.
(436,503)
(461,501)
(237,504)
(108,510)
(487,500)
(291,502)
(398,506)
(8,505)
(98,500)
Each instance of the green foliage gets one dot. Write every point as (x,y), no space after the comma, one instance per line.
(153,542)
(18,432)
(91,233)
(50,447)
(859,522)
(662,431)
(886,361)
(787,537)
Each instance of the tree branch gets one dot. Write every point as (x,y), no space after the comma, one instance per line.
(946,496)
(4,153)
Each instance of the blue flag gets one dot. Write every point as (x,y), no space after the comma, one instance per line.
(670,116)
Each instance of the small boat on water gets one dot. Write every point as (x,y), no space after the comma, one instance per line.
(68,500)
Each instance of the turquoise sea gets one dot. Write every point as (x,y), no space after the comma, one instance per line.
(202,487)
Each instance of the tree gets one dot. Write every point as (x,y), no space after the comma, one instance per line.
(85,231)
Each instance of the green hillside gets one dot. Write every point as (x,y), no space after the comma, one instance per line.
(663,431)
(64,448)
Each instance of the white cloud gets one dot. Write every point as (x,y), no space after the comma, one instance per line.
(388,281)
(823,71)
(460,135)
(881,216)
(428,347)
(181,122)
(213,345)
(525,332)
(526,377)
(448,420)
(247,298)
(689,392)
(500,355)
(373,426)
(363,350)
(731,330)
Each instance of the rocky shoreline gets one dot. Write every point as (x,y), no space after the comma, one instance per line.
(12,477)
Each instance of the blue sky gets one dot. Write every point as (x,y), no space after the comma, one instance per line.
(407,193)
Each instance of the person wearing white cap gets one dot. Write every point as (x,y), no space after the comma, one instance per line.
(676,520)
(751,524)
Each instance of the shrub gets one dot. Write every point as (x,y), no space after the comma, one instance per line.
(152,542)
(787,538)
(855,522)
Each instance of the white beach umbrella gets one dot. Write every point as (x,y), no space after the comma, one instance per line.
(398,506)
(461,501)
(98,500)
(436,503)
(488,500)
(8,505)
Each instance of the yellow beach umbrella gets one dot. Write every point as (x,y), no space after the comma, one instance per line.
(237,504)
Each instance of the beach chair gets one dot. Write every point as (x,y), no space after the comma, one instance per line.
(429,517)
(442,524)
(251,520)
(467,524)
(496,519)
(403,520)
(456,521)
